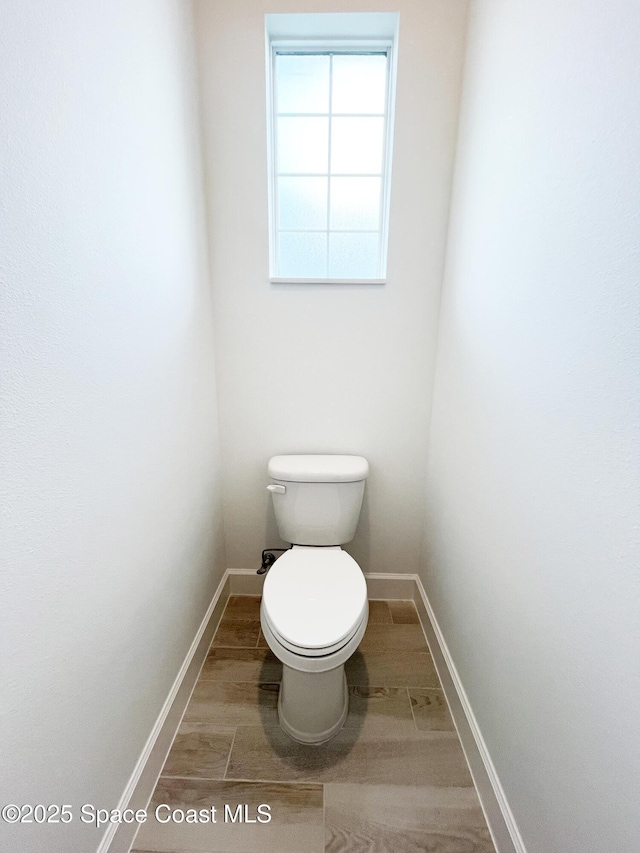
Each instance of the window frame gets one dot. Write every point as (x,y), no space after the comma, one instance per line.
(330,46)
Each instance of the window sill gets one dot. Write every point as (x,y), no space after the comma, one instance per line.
(286,280)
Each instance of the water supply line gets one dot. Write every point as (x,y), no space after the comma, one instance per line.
(268,559)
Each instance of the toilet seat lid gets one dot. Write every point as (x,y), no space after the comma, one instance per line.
(314,597)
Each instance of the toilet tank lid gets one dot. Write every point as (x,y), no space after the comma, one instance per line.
(319,468)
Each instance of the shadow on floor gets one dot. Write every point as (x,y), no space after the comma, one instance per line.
(308,757)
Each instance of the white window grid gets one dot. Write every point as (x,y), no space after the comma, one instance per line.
(331,49)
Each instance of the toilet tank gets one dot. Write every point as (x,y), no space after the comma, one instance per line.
(317,498)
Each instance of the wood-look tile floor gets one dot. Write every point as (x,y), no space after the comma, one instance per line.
(394,780)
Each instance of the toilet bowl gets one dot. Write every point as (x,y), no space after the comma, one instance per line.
(314,607)
(314,612)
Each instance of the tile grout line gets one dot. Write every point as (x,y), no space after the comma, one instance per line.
(413,716)
(303,780)
(246,781)
(251,681)
(349,684)
(233,740)
(197,778)
(243,781)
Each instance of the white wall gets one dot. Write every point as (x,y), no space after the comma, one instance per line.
(327,369)
(531,550)
(112,522)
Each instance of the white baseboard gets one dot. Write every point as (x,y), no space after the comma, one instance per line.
(379,584)
(119,837)
(389,585)
(500,819)
(245,582)
(507,839)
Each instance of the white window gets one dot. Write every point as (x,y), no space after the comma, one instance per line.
(330,153)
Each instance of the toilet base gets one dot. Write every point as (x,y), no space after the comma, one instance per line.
(313,706)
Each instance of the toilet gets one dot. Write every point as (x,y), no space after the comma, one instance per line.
(314,607)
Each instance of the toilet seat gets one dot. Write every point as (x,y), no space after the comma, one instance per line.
(314,600)
(316,653)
